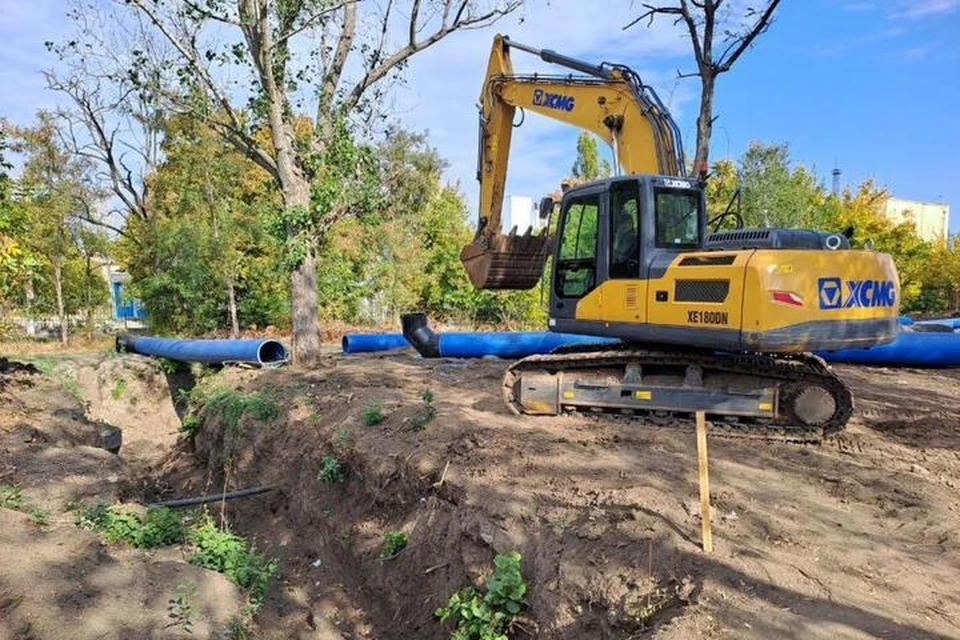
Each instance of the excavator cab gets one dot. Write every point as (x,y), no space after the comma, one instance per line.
(622,229)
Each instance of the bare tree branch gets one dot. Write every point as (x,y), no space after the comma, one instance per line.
(761,25)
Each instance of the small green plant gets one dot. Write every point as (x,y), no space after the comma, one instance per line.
(168,366)
(181,606)
(11,496)
(331,470)
(118,388)
(426,413)
(393,543)
(343,439)
(38,516)
(559,524)
(158,527)
(373,414)
(229,554)
(488,616)
(191,424)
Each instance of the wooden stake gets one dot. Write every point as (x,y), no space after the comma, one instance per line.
(704,481)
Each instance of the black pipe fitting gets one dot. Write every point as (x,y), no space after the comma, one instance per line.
(418,333)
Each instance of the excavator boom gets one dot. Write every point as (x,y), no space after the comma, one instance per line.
(607,100)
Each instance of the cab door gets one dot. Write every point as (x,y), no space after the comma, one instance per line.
(576,268)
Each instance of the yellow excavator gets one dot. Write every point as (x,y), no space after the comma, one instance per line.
(718,322)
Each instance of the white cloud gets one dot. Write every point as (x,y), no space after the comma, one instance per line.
(443,84)
(926,8)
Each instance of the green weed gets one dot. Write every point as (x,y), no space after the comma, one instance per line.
(488,616)
(191,424)
(393,543)
(229,554)
(331,470)
(118,388)
(158,527)
(426,413)
(11,496)
(181,606)
(38,516)
(373,414)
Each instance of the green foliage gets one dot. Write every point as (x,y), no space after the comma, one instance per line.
(231,555)
(118,388)
(331,470)
(157,527)
(38,516)
(181,607)
(231,406)
(209,235)
(11,496)
(425,414)
(488,616)
(373,414)
(191,424)
(393,543)
(588,165)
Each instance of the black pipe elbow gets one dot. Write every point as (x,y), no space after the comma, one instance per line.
(420,335)
(124,343)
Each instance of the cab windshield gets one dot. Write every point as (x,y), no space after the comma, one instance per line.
(677,217)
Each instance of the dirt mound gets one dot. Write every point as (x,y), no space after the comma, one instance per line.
(812,541)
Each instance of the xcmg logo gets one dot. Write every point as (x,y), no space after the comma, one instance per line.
(835,293)
(556,101)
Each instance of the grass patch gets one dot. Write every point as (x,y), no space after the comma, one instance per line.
(38,516)
(331,470)
(373,414)
(11,496)
(231,406)
(157,527)
(393,543)
(181,607)
(229,554)
(488,616)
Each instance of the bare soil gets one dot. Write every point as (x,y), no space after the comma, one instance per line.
(858,537)
(58,581)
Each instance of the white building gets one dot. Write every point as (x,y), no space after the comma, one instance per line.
(520,212)
(931,218)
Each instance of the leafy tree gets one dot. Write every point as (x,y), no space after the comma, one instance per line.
(55,186)
(776,195)
(205,254)
(296,54)
(588,165)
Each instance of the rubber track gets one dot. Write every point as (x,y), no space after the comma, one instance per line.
(792,370)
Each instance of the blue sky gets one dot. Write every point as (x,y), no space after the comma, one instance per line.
(871,85)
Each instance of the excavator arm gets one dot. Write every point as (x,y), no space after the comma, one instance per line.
(607,100)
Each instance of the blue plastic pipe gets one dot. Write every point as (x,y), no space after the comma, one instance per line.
(953,323)
(366,342)
(909,349)
(509,344)
(259,352)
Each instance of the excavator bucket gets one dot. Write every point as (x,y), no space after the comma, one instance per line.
(506,261)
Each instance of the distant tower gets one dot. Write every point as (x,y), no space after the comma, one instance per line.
(836,180)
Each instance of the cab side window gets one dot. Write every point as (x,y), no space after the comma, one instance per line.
(625,230)
(577,257)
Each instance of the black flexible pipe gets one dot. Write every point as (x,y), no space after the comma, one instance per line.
(230,495)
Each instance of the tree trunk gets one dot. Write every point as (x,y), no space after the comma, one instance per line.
(61,312)
(31,327)
(232,301)
(303,299)
(704,122)
(88,297)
